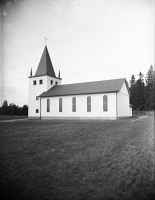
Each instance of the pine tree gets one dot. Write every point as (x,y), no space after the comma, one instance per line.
(25,110)
(133,92)
(132,81)
(4,108)
(139,96)
(150,89)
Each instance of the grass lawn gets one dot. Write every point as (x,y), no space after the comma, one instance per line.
(58,159)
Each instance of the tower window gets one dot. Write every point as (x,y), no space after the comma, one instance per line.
(34,82)
(48,105)
(73,104)
(105,103)
(88,104)
(51,82)
(40,81)
(60,104)
(56,83)
(37,98)
(37,110)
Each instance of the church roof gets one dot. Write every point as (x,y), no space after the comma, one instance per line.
(45,66)
(105,86)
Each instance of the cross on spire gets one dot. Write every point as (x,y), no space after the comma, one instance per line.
(45,40)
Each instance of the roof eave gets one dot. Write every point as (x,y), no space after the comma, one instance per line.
(45,75)
(44,96)
(127,87)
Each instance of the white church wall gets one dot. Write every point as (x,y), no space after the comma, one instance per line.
(49,79)
(81,106)
(123,102)
(36,90)
(123,89)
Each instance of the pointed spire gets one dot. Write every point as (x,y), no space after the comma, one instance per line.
(45,66)
(59,74)
(31,72)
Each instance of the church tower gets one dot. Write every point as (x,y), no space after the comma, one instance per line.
(42,81)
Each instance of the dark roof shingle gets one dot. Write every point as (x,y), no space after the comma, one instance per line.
(45,66)
(85,88)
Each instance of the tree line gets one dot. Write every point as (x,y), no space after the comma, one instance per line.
(143,91)
(13,109)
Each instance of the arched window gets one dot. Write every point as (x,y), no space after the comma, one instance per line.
(88,104)
(105,103)
(60,104)
(73,104)
(48,105)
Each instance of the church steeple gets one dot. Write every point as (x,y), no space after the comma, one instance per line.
(45,66)
(42,81)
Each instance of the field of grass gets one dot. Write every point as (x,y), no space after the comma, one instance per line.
(90,159)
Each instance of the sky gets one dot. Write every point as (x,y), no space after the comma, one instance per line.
(88,40)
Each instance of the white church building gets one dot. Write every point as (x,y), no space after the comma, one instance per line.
(106,99)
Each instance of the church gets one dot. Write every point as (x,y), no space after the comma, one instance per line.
(106,99)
